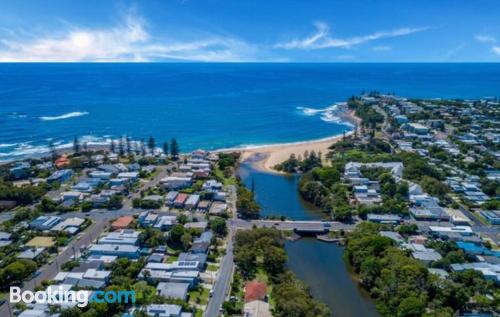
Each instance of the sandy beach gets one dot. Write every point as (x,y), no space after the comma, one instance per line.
(266,157)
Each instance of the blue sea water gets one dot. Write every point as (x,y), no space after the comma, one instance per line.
(207,106)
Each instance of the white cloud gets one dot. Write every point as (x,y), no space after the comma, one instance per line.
(382,48)
(485,38)
(321,38)
(496,50)
(128,41)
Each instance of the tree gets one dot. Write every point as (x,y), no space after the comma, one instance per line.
(115,202)
(176,233)
(142,148)
(165,148)
(121,150)
(112,146)
(174,149)
(76,145)
(129,146)
(246,204)
(151,144)
(86,206)
(274,260)
(53,151)
(186,240)
(218,225)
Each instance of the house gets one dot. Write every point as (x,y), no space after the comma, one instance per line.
(188,276)
(393,236)
(118,250)
(489,271)
(257,308)
(212,186)
(176,182)
(201,225)
(20,170)
(426,256)
(203,206)
(389,219)
(173,290)
(217,208)
(417,128)
(31,253)
(44,222)
(5,239)
(130,176)
(71,196)
(147,219)
(401,119)
(118,182)
(62,161)
(70,225)
(255,290)
(180,200)
(174,266)
(192,202)
(84,187)
(101,175)
(165,223)
(201,258)
(493,216)
(60,176)
(163,310)
(122,222)
(170,198)
(156,258)
(109,168)
(121,237)
(220,196)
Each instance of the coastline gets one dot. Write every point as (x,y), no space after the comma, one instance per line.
(265,157)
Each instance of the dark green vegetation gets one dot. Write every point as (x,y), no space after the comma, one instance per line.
(369,116)
(297,164)
(246,204)
(322,186)
(402,286)
(263,249)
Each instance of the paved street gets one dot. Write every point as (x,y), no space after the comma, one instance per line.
(51,269)
(223,281)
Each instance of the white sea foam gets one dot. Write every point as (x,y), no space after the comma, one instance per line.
(64,116)
(4,145)
(328,114)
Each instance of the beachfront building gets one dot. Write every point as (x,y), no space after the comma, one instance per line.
(60,176)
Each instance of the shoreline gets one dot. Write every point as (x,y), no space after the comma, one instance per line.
(265,157)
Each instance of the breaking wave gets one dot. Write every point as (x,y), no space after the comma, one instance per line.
(64,116)
(328,114)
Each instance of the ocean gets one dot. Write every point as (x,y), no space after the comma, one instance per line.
(210,106)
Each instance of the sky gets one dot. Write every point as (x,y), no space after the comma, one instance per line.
(250,31)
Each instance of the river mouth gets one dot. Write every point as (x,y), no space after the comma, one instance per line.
(320,265)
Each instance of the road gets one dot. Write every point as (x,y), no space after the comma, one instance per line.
(291,225)
(162,173)
(49,270)
(224,276)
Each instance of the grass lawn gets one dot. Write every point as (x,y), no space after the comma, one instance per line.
(212,267)
(199,296)
(198,313)
(227,181)
(172,258)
